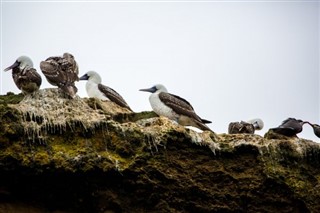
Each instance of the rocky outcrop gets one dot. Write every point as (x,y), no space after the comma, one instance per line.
(84,155)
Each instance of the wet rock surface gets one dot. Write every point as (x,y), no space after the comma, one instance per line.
(85,155)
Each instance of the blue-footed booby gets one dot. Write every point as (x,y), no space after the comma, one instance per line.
(26,78)
(316,129)
(174,108)
(290,127)
(97,90)
(62,72)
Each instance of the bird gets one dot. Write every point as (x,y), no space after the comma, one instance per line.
(26,78)
(174,108)
(290,127)
(248,127)
(62,72)
(97,90)
(257,123)
(316,129)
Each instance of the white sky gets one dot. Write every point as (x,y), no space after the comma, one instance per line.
(232,60)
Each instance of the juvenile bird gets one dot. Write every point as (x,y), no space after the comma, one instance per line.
(248,127)
(26,78)
(174,108)
(62,72)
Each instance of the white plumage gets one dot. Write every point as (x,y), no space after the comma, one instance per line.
(174,108)
(97,90)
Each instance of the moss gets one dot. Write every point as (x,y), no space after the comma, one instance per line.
(10,98)
(101,156)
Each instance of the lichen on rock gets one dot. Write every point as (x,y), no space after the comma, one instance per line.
(85,155)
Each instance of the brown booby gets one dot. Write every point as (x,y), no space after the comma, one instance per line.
(174,108)
(290,127)
(97,90)
(316,129)
(62,72)
(26,78)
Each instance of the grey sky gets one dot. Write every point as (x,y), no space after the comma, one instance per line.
(232,60)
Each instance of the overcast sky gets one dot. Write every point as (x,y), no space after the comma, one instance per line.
(231,60)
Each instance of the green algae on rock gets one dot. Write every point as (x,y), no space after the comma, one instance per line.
(84,155)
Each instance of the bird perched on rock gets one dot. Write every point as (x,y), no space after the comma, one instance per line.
(24,75)
(257,123)
(289,127)
(97,90)
(174,108)
(316,129)
(248,127)
(62,72)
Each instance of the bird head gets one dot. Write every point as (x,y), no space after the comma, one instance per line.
(155,88)
(257,123)
(22,62)
(91,76)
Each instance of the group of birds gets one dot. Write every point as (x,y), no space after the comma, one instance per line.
(62,71)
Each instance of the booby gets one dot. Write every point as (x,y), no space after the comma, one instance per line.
(248,127)
(316,129)
(174,108)
(257,123)
(62,72)
(97,90)
(290,127)
(26,78)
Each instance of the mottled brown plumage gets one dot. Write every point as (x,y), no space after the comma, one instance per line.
(26,78)
(62,72)
(240,128)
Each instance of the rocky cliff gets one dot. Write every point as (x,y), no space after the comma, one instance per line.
(84,155)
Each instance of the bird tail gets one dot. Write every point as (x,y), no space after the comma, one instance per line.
(202,125)
(70,90)
(205,121)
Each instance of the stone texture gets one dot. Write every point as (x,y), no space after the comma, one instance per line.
(83,155)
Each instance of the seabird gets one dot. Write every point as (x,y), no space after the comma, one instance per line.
(174,108)
(289,127)
(245,127)
(62,72)
(97,90)
(316,129)
(257,123)
(24,75)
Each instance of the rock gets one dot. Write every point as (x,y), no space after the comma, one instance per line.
(63,155)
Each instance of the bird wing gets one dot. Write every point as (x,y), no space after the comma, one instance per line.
(33,76)
(59,71)
(113,96)
(287,131)
(51,70)
(286,122)
(70,66)
(179,105)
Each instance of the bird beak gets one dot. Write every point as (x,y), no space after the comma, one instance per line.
(152,90)
(12,66)
(306,122)
(84,77)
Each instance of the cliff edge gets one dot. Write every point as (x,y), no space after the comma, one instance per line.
(83,155)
